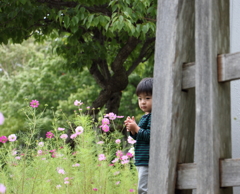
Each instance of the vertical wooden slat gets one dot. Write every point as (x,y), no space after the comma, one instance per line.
(173,113)
(213,139)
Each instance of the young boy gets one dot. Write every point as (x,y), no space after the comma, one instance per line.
(141,132)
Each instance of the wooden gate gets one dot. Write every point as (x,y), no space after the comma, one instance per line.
(191,128)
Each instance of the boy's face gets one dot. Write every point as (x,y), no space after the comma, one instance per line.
(145,102)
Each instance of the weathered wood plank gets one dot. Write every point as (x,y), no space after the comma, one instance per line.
(188,76)
(173,112)
(186,177)
(213,128)
(228,67)
(230,172)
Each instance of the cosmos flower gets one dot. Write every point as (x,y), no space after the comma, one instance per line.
(34,103)
(1,119)
(49,134)
(101,157)
(12,137)
(3,139)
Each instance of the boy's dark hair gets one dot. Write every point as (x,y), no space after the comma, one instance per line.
(145,86)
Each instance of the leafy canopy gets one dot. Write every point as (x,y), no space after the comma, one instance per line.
(110,38)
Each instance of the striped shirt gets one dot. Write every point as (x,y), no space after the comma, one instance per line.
(142,145)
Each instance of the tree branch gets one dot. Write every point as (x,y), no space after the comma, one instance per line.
(123,54)
(146,52)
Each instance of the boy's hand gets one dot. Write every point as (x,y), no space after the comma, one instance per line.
(131,125)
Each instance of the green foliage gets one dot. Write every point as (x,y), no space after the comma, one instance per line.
(50,165)
(87,35)
(41,77)
(90,27)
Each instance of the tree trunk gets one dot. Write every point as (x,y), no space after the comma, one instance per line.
(114,102)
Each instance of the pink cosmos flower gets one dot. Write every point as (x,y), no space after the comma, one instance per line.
(124,157)
(78,103)
(115,160)
(118,141)
(34,103)
(130,155)
(18,158)
(41,144)
(131,140)
(111,116)
(54,155)
(39,152)
(105,121)
(49,135)
(120,117)
(61,129)
(64,136)
(105,128)
(88,107)
(124,160)
(66,182)
(119,153)
(12,137)
(58,186)
(118,182)
(100,142)
(94,189)
(131,190)
(1,119)
(52,151)
(14,152)
(79,130)
(3,139)
(75,165)
(2,188)
(101,157)
(60,171)
(73,136)
(66,178)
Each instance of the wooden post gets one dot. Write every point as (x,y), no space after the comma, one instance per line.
(173,113)
(213,137)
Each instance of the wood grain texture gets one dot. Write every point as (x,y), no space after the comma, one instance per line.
(230,172)
(228,67)
(173,112)
(188,76)
(213,128)
(187,174)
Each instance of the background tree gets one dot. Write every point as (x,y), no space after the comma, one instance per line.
(34,71)
(110,38)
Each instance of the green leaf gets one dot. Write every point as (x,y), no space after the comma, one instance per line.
(95,21)
(66,21)
(145,28)
(23,1)
(121,18)
(90,18)
(75,21)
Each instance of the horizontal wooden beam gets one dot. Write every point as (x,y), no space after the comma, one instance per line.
(188,75)
(228,67)
(186,176)
(228,70)
(229,174)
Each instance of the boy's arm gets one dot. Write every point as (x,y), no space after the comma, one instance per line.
(134,136)
(144,134)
